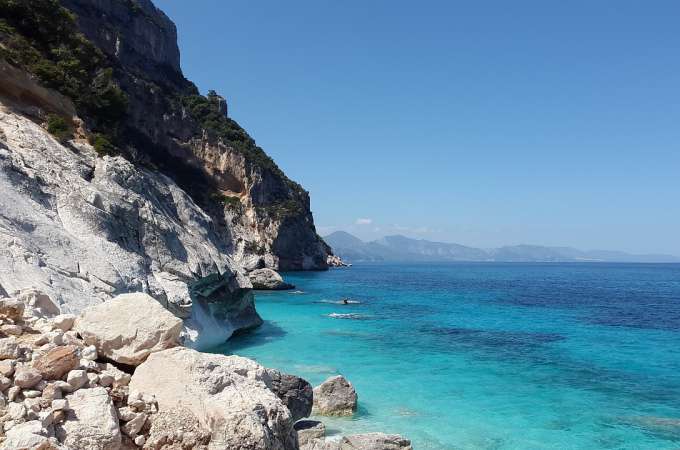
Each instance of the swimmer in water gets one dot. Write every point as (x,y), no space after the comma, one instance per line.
(345,301)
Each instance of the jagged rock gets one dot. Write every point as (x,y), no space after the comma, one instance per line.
(128,328)
(375,441)
(26,377)
(77,379)
(335,397)
(295,392)
(39,303)
(134,425)
(7,367)
(82,229)
(336,261)
(57,362)
(63,322)
(268,279)
(9,348)
(274,213)
(27,435)
(12,308)
(308,430)
(176,428)
(228,395)
(91,422)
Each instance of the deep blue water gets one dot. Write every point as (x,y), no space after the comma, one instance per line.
(488,356)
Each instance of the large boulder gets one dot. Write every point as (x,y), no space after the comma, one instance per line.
(91,421)
(335,397)
(268,279)
(295,392)
(375,441)
(229,395)
(128,328)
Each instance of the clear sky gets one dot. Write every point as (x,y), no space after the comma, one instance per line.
(484,123)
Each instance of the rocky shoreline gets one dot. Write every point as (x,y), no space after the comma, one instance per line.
(115,377)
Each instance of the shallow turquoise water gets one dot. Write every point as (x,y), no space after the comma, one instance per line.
(488,356)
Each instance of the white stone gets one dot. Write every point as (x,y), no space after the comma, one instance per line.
(91,422)
(129,327)
(132,427)
(77,379)
(111,227)
(27,435)
(9,348)
(59,404)
(228,395)
(63,322)
(89,352)
(139,441)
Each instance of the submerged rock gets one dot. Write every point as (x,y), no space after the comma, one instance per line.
(375,441)
(268,279)
(128,328)
(335,397)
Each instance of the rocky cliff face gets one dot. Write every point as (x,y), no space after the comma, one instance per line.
(265,216)
(117,176)
(83,228)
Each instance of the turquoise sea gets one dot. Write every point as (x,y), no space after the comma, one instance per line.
(488,356)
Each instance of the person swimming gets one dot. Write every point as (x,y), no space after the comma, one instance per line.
(345,301)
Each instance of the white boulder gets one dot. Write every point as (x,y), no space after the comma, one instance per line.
(128,328)
(91,421)
(229,395)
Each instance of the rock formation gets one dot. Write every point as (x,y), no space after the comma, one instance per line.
(335,397)
(83,229)
(268,279)
(129,328)
(267,214)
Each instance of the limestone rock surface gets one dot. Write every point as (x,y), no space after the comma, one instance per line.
(229,395)
(91,422)
(128,328)
(335,397)
(82,229)
(268,279)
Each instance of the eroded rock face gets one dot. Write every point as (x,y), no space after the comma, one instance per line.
(273,218)
(83,229)
(308,431)
(212,388)
(129,328)
(295,392)
(268,279)
(335,397)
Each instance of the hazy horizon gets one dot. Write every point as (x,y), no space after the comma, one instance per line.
(377,237)
(487,125)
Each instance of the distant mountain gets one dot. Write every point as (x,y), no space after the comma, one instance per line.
(401,248)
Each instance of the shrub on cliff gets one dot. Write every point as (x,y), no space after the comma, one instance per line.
(40,37)
(59,127)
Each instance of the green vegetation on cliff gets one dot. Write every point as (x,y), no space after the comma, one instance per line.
(39,36)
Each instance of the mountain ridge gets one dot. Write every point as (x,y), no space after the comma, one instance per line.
(402,248)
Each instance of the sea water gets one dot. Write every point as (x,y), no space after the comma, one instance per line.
(487,356)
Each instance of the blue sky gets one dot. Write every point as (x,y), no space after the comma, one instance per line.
(483,123)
